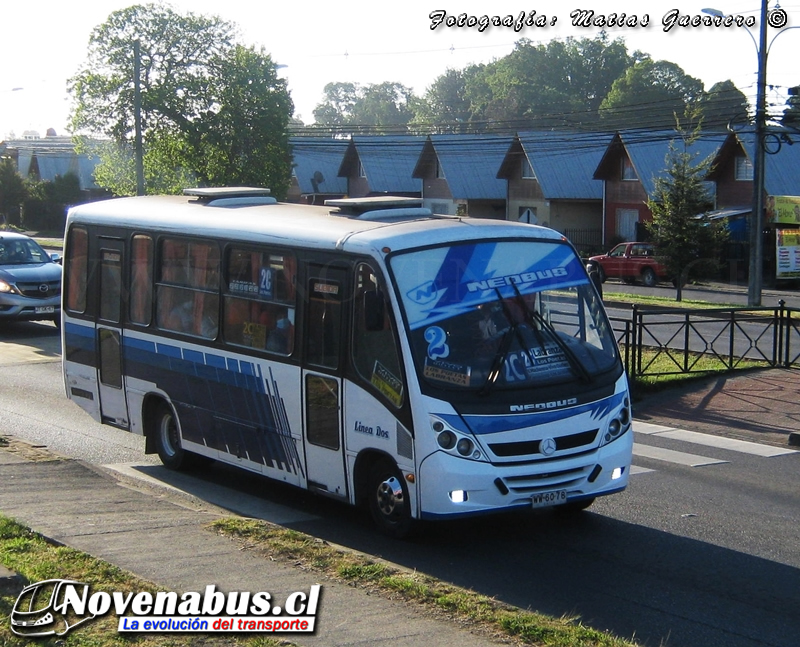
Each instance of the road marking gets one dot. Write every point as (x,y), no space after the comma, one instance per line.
(671,456)
(710,440)
(723,442)
(636,469)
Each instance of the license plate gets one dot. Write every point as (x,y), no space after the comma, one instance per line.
(45,310)
(544,499)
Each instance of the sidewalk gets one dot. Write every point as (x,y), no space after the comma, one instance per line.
(165,542)
(162,537)
(760,406)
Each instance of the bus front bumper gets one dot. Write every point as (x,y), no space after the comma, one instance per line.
(452,487)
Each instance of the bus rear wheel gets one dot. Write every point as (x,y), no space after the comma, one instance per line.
(168,438)
(388,500)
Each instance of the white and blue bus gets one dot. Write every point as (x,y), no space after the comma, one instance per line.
(429,366)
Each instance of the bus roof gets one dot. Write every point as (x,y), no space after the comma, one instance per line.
(294,224)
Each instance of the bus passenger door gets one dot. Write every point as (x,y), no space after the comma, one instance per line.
(110,376)
(322,384)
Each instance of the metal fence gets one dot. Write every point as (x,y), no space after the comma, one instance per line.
(671,341)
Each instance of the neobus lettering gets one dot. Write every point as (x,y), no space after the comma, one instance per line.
(543,406)
(516,279)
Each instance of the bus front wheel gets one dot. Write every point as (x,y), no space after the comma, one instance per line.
(388,500)
(168,438)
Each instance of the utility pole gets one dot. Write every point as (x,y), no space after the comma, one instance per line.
(137,117)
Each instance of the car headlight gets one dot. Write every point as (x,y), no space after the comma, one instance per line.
(6,287)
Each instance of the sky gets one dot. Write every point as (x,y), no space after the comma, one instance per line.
(44,43)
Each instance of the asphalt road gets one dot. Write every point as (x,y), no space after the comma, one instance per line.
(701,550)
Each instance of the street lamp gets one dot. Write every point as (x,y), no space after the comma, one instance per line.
(756,280)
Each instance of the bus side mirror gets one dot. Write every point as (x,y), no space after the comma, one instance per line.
(373,310)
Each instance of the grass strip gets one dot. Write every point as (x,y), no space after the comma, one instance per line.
(35,558)
(457,604)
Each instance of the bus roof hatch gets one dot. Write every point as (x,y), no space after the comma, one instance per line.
(381,207)
(231,196)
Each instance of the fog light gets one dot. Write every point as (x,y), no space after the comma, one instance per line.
(458,496)
(617,473)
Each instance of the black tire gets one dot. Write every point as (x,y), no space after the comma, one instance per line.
(601,273)
(649,277)
(574,506)
(388,500)
(168,438)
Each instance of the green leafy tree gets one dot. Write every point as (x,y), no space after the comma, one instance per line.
(651,94)
(46,203)
(553,84)
(724,105)
(12,192)
(356,108)
(687,241)
(203,98)
(791,114)
(445,103)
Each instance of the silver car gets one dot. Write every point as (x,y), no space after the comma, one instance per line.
(30,280)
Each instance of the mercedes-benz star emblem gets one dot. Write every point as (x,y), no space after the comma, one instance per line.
(547,446)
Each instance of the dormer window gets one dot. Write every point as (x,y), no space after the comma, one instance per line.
(439,170)
(627,172)
(527,169)
(744,168)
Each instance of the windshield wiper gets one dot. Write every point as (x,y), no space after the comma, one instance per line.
(533,317)
(505,346)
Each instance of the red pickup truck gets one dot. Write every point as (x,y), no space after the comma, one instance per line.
(629,262)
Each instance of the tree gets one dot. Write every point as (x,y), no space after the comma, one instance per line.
(554,84)
(203,98)
(12,192)
(686,240)
(724,105)
(791,114)
(445,102)
(651,94)
(353,107)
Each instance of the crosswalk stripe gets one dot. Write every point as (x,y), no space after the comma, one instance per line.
(636,469)
(672,456)
(722,442)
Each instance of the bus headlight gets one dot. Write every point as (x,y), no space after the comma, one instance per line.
(454,441)
(617,426)
(446,439)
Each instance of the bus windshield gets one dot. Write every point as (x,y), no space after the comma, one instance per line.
(503,315)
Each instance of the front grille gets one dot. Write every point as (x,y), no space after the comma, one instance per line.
(33,291)
(554,480)
(529,447)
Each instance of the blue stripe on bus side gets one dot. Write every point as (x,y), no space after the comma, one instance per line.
(223,403)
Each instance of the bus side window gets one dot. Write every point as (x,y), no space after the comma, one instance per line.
(259,306)
(188,291)
(77,268)
(375,349)
(141,297)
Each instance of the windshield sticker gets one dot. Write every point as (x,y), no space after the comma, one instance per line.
(447,372)
(541,362)
(444,282)
(389,385)
(437,342)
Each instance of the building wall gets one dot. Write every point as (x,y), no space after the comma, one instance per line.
(730,191)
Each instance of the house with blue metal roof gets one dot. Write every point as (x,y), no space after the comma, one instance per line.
(382,164)
(47,157)
(549,176)
(733,173)
(315,169)
(459,175)
(629,169)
